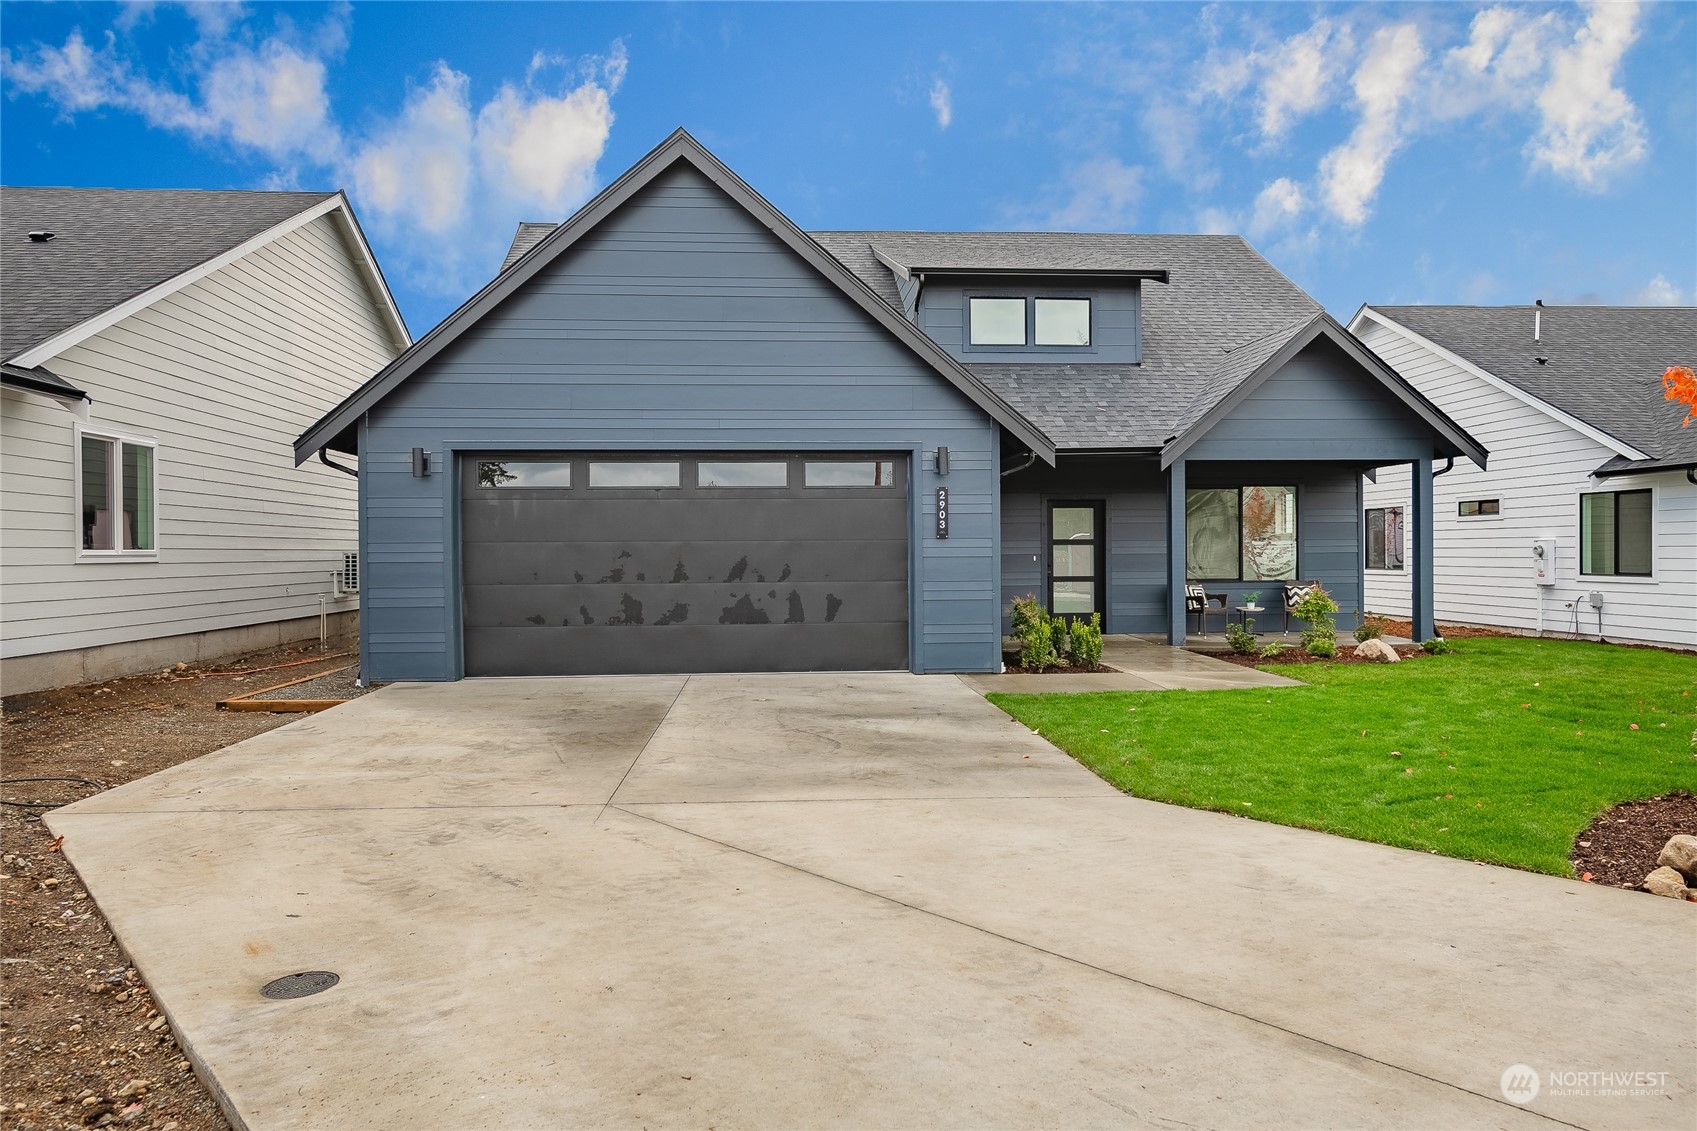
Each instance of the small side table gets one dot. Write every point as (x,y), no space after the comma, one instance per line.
(1244,612)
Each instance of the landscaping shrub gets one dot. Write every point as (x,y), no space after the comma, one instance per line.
(1087,641)
(1034,628)
(1270,649)
(1316,611)
(1242,640)
(1438,646)
(1370,628)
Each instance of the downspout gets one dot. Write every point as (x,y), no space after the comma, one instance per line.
(324,458)
(1449,463)
(1691,475)
(1030,458)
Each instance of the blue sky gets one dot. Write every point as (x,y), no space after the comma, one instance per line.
(1375,153)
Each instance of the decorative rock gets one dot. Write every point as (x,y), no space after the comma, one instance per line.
(1377,651)
(1680,854)
(1668,882)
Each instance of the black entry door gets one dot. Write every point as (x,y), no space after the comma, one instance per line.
(579,564)
(1076,559)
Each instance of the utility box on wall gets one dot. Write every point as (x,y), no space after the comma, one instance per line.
(1544,561)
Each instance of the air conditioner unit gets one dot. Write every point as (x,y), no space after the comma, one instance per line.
(346,575)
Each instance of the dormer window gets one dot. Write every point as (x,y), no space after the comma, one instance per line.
(1044,322)
(998,321)
(1061,321)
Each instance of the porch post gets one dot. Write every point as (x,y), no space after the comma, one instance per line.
(1175,553)
(1420,582)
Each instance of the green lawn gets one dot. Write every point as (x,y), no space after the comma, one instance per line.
(1502,751)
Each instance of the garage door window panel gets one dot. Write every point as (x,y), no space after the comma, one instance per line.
(742,473)
(850,473)
(556,474)
(634,474)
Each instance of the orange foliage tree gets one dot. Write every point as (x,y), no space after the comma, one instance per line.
(1679,384)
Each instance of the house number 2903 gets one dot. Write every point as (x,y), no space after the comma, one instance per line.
(942,512)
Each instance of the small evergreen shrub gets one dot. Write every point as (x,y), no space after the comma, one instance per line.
(1438,646)
(1270,649)
(1371,627)
(1323,646)
(1034,628)
(1241,640)
(1087,641)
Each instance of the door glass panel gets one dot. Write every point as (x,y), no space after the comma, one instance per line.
(524,473)
(622,473)
(1075,560)
(741,473)
(1075,597)
(1073,523)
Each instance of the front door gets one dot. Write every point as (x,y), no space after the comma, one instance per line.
(1076,559)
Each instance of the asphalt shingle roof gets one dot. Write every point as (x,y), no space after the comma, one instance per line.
(1223,311)
(110,245)
(1604,363)
(1221,295)
(529,234)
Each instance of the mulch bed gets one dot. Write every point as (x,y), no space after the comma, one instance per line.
(1298,656)
(82,1042)
(1620,847)
(1012,668)
(1405,628)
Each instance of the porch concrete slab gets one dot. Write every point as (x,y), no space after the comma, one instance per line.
(1021,684)
(840,736)
(669,945)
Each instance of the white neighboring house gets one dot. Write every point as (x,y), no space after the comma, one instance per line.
(161,351)
(1588,460)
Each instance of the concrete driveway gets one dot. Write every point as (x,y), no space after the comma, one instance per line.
(837,901)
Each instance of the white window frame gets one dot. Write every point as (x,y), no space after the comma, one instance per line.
(114,483)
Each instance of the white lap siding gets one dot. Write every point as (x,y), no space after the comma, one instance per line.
(223,374)
(1539,466)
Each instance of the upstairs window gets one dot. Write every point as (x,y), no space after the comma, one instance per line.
(116,486)
(1062,321)
(1614,533)
(1047,322)
(997,321)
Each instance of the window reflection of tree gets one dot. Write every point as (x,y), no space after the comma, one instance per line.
(492,474)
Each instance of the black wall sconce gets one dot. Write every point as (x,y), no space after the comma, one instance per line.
(420,463)
(942,461)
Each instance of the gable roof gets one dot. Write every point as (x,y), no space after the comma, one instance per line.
(1603,366)
(680,146)
(1247,368)
(115,251)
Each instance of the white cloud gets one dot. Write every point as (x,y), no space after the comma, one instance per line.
(1499,66)
(1589,128)
(446,177)
(1350,175)
(1300,74)
(1661,292)
(1099,195)
(942,104)
(1277,206)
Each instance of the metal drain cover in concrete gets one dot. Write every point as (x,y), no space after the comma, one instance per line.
(300,985)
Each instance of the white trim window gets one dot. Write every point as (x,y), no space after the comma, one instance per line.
(117,496)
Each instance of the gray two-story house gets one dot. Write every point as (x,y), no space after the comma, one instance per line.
(678,434)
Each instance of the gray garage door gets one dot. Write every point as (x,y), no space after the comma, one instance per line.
(586,564)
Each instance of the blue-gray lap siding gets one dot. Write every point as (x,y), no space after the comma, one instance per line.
(1134,492)
(679,323)
(1316,424)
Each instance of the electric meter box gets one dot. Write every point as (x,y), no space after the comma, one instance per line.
(1544,561)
